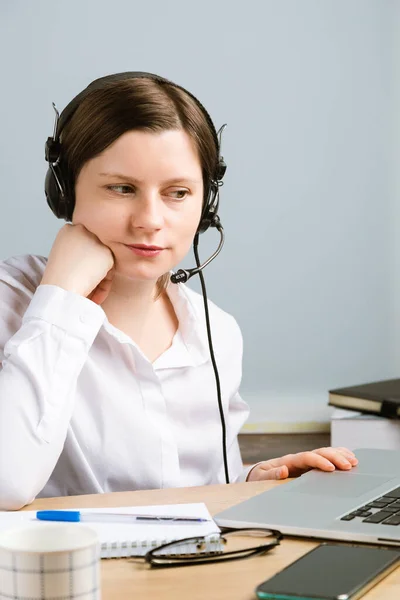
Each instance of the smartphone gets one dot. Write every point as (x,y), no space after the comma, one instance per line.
(331,572)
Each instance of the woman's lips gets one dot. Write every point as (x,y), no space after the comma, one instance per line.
(143,250)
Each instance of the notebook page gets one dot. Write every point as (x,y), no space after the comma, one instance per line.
(134,539)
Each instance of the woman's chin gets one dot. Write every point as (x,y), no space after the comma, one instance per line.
(142,273)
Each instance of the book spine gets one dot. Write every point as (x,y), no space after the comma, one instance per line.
(390,410)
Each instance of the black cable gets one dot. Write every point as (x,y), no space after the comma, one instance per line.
(214,364)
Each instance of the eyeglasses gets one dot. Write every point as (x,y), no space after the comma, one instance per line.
(231,544)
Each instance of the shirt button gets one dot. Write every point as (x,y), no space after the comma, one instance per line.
(82,318)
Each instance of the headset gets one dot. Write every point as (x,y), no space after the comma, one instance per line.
(60,196)
(58,189)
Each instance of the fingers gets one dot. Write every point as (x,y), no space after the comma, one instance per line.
(292,465)
(267,472)
(101,291)
(302,462)
(349,455)
(340,458)
(264,471)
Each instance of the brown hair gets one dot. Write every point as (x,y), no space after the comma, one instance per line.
(145,104)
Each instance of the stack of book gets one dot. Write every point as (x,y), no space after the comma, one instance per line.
(366,416)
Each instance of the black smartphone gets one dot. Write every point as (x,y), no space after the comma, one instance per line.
(331,572)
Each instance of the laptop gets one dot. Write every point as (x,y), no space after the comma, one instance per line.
(361,505)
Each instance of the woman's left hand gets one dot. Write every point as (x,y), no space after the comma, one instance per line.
(292,465)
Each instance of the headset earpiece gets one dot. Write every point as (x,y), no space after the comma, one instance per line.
(56,197)
(55,184)
(221,169)
(210,208)
(52,150)
(209,217)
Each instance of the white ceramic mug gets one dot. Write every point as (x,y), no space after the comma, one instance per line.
(49,561)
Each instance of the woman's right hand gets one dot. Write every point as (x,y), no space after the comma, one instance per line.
(79,262)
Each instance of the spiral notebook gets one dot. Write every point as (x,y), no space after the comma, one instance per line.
(120,540)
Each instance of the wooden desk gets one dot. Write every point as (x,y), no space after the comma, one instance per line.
(236,580)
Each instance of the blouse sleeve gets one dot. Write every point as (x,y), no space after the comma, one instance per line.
(45,336)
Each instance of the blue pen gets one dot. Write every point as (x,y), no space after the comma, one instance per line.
(76,516)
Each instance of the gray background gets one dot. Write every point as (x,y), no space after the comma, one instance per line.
(310,92)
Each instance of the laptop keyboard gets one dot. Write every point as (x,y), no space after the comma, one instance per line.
(385,510)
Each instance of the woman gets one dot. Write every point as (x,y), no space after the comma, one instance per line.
(106,381)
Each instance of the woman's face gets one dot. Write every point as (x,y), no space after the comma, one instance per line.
(142,197)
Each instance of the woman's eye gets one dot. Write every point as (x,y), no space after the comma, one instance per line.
(121,189)
(179,194)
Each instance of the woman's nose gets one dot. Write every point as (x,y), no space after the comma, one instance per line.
(148,212)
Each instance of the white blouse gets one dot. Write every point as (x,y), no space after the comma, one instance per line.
(83,411)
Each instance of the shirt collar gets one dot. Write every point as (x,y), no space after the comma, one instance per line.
(191,336)
(192,327)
